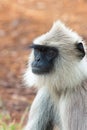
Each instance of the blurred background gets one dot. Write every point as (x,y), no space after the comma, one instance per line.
(20,22)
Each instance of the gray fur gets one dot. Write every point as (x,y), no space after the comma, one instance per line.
(41,114)
(61,100)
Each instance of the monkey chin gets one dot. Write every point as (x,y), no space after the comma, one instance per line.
(40,71)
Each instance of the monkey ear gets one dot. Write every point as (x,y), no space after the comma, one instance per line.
(80,47)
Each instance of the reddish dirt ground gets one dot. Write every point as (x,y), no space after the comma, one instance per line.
(20,22)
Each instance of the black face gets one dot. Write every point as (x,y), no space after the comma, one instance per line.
(44,57)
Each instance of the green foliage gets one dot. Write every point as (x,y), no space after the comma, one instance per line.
(6,124)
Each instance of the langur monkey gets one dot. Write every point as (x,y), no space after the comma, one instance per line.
(58,68)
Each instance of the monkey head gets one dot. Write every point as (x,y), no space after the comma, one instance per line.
(57,59)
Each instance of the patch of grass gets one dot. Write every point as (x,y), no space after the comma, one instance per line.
(6,122)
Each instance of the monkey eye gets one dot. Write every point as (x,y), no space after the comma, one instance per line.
(52,53)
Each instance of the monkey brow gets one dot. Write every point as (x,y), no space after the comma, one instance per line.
(39,47)
(33,46)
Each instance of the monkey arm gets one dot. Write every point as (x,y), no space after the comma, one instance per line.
(41,113)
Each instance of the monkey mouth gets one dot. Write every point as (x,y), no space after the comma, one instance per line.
(39,71)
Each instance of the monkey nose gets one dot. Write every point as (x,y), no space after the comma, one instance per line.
(37,59)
